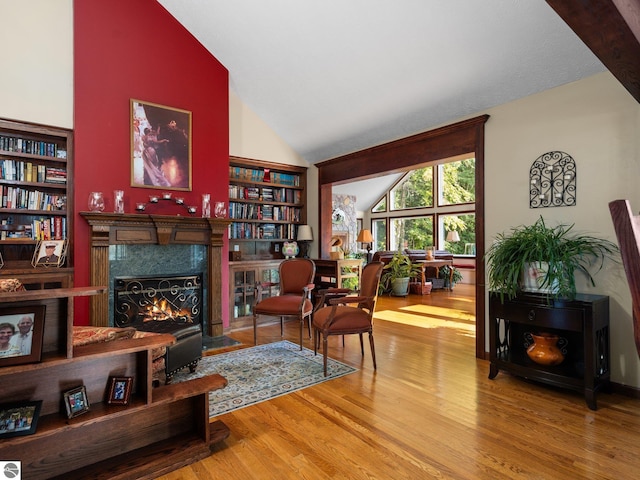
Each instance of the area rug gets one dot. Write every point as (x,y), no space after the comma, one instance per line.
(261,373)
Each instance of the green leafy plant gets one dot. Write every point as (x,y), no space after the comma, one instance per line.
(560,250)
(445,273)
(400,266)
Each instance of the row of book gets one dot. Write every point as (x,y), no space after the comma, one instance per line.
(21,171)
(256,211)
(262,231)
(33,147)
(22,198)
(52,228)
(267,194)
(263,175)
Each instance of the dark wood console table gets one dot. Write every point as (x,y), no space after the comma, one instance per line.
(583,326)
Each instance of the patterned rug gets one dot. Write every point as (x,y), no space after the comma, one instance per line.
(263,372)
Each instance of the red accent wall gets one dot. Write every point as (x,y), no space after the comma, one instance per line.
(126,49)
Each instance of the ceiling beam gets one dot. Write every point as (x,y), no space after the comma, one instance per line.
(611,29)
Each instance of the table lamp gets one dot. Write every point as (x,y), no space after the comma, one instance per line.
(304,237)
(364,236)
(453,236)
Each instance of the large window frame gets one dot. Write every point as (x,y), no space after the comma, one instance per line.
(438,212)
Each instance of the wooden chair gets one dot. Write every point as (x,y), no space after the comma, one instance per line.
(342,319)
(294,299)
(627,227)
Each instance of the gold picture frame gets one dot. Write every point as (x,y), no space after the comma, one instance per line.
(160,146)
(49,253)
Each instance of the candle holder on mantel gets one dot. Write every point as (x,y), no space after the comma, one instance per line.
(167,196)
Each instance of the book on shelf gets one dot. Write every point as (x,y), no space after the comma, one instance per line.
(24,145)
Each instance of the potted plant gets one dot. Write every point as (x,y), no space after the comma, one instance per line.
(396,274)
(445,274)
(549,256)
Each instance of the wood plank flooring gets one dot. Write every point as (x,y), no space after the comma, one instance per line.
(429,411)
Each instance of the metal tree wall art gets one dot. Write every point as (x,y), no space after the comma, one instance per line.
(552,181)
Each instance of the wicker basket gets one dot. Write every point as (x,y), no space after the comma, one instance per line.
(420,289)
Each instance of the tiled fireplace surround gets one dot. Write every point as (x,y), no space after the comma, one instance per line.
(141,244)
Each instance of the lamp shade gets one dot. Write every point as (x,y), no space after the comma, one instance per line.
(304,233)
(453,236)
(364,236)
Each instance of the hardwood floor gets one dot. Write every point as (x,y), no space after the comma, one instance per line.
(429,411)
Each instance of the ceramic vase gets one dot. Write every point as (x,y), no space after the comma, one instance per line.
(544,350)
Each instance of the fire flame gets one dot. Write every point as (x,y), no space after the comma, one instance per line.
(162,310)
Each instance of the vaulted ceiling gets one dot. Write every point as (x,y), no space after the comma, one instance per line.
(332,77)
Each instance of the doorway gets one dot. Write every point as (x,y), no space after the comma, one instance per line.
(445,142)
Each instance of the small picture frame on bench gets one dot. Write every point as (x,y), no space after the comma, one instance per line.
(76,401)
(119,391)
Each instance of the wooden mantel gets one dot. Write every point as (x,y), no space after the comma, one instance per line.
(119,229)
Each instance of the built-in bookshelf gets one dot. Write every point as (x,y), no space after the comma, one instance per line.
(36,167)
(266,205)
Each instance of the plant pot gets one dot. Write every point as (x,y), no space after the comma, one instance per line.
(400,287)
(532,277)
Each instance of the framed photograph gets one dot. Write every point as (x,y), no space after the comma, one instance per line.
(160,146)
(76,401)
(119,390)
(21,333)
(19,418)
(50,253)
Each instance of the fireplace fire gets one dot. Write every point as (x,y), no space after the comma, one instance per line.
(158,304)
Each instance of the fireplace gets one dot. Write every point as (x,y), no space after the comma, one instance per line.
(158,304)
(190,245)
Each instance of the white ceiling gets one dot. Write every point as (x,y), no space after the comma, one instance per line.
(335,76)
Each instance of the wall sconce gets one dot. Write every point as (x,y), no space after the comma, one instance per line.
(364,236)
(453,236)
(305,235)
(552,181)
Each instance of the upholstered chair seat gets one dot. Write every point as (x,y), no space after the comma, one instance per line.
(294,298)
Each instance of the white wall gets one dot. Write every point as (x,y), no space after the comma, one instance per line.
(598,123)
(594,120)
(36,83)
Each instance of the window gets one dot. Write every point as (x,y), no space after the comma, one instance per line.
(414,190)
(415,233)
(417,222)
(381,206)
(465,226)
(457,182)
(379,231)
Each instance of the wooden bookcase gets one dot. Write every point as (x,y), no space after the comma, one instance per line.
(36,179)
(267,202)
(161,429)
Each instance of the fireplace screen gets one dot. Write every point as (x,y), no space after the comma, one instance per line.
(158,304)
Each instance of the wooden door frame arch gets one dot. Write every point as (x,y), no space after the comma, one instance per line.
(452,140)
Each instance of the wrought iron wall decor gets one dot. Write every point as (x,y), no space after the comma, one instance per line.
(552,181)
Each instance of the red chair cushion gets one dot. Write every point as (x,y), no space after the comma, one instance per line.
(346,319)
(283,305)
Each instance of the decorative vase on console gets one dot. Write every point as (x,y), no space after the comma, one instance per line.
(544,350)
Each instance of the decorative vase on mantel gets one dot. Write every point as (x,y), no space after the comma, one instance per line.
(544,350)
(96,202)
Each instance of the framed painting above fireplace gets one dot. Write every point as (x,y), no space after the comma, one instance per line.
(160,146)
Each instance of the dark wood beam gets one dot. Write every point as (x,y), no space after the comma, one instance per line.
(611,29)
